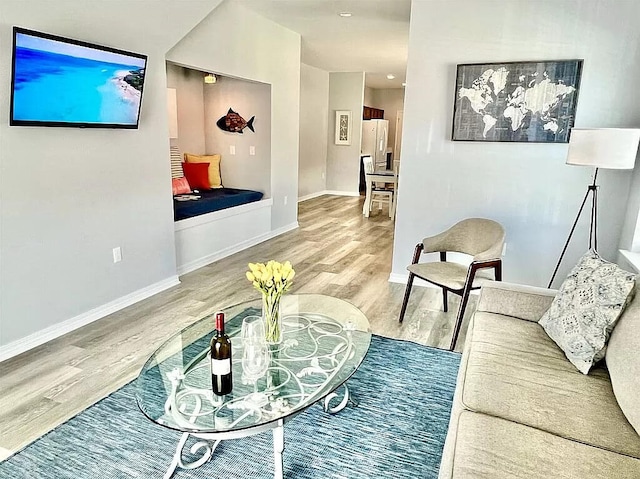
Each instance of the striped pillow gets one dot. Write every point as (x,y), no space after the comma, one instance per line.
(176,162)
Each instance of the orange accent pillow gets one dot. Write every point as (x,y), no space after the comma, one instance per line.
(180,186)
(215,179)
(197,175)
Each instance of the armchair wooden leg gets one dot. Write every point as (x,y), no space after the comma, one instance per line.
(405,301)
(460,315)
(445,303)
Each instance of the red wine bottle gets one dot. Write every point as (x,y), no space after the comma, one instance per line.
(221,359)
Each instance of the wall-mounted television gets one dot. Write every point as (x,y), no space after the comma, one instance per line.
(57,81)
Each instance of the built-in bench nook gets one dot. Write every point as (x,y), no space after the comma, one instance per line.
(220,136)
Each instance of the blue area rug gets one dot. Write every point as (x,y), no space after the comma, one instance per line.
(405,393)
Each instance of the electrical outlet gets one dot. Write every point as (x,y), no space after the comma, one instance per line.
(286,198)
(117,254)
(232,149)
(323,175)
(252,150)
(504,249)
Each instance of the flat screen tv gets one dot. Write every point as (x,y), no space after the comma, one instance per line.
(61,82)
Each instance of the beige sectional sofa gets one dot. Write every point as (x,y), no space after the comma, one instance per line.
(522,410)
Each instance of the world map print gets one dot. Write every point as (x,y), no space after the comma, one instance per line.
(527,102)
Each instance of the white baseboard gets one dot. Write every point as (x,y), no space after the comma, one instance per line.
(311,196)
(341,193)
(218,255)
(52,332)
(327,192)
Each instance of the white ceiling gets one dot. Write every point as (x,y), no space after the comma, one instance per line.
(374,39)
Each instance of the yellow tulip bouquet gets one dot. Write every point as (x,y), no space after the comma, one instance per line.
(272,280)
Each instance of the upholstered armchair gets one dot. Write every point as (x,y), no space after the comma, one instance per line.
(481,238)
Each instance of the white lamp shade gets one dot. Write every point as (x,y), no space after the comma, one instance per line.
(613,148)
(172,112)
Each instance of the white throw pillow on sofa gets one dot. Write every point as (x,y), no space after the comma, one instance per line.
(586,309)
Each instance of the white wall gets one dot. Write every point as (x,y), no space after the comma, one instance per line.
(346,92)
(239,43)
(369,98)
(527,187)
(314,123)
(248,99)
(70,195)
(190,108)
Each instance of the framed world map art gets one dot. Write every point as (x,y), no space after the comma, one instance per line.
(516,101)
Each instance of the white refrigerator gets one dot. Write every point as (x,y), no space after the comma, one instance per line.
(375,135)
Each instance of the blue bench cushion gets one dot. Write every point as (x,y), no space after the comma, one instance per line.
(213,200)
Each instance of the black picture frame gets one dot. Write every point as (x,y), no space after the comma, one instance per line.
(13,121)
(524,101)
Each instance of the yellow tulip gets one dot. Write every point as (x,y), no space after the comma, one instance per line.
(253,267)
(272,279)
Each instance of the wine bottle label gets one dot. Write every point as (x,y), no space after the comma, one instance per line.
(220,367)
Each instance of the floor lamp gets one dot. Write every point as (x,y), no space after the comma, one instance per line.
(610,148)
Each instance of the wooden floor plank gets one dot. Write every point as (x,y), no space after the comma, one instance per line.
(335,251)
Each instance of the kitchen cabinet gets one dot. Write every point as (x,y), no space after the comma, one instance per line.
(370,113)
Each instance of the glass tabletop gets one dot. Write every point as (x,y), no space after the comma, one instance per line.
(324,341)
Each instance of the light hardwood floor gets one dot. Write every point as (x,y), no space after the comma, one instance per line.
(336,251)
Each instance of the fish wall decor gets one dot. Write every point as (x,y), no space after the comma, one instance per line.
(234,123)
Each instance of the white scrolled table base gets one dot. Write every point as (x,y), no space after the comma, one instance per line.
(210,441)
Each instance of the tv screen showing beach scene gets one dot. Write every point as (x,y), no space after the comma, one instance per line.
(62,82)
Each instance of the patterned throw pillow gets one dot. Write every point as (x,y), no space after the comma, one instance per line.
(586,309)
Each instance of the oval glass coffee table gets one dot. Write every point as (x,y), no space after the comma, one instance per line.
(324,341)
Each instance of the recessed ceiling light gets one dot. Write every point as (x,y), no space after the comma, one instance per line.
(390,76)
(345,14)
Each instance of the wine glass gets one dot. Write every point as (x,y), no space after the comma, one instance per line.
(252,329)
(255,355)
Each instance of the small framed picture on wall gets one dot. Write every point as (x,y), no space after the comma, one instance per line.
(343,127)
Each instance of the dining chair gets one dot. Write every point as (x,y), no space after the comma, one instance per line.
(378,194)
(481,238)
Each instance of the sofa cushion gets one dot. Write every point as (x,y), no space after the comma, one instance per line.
(623,362)
(516,372)
(519,301)
(586,308)
(457,408)
(493,448)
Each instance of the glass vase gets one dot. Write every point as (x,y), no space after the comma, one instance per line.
(272,318)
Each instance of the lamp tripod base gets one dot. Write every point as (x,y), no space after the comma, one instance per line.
(593,227)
